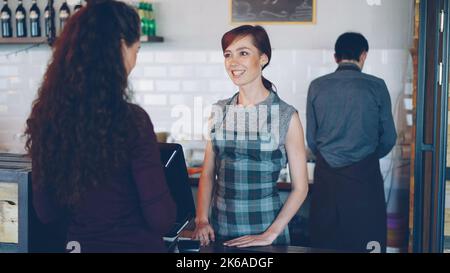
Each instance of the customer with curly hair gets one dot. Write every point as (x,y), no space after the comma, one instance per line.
(96,163)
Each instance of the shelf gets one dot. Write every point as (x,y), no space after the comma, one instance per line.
(152,39)
(22,41)
(41,40)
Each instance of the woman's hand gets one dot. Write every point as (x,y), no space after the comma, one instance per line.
(263,239)
(203,232)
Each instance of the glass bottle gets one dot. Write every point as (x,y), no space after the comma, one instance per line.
(151,20)
(21,25)
(6,20)
(77,6)
(47,19)
(35,20)
(64,13)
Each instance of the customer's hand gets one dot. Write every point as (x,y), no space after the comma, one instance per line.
(203,232)
(263,239)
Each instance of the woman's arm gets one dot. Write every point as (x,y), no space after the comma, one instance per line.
(157,205)
(203,230)
(295,147)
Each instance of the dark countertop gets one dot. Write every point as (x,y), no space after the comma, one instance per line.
(219,248)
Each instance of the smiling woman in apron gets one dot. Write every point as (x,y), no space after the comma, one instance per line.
(253,134)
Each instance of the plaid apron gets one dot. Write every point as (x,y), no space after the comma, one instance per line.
(248,163)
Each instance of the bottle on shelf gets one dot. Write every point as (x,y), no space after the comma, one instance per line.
(35,20)
(21,25)
(77,6)
(151,20)
(48,18)
(64,13)
(140,8)
(6,20)
(148,24)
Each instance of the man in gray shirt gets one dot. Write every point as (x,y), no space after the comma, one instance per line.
(349,128)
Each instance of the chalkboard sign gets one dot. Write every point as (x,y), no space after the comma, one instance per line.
(273,11)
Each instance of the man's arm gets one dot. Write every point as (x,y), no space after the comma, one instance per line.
(387,133)
(311,123)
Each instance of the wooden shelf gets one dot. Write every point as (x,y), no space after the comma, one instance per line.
(22,41)
(152,39)
(41,40)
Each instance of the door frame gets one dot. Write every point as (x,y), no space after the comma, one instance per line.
(431,134)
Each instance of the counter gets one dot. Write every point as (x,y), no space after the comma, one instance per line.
(220,248)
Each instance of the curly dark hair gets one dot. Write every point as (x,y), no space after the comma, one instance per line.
(77,130)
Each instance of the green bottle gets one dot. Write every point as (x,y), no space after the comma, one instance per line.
(146,26)
(140,9)
(151,23)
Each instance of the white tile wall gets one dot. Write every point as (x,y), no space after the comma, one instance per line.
(166,57)
(4,84)
(197,57)
(168,85)
(155,71)
(166,81)
(181,71)
(9,71)
(143,85)
(193,85)
(146,57)
(160,100)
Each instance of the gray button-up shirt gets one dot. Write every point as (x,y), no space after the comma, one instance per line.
(349,116)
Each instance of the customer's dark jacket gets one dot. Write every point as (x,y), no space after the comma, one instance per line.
(130,213)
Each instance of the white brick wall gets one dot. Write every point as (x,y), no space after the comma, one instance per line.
(181,71)
(146,57)
(9,71)
(197,57)
(142,85)
(168,85)
(160,100)
(155,71)
(193,85)
(168,57)
(166,79)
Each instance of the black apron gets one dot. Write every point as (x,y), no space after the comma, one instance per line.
(348,208)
